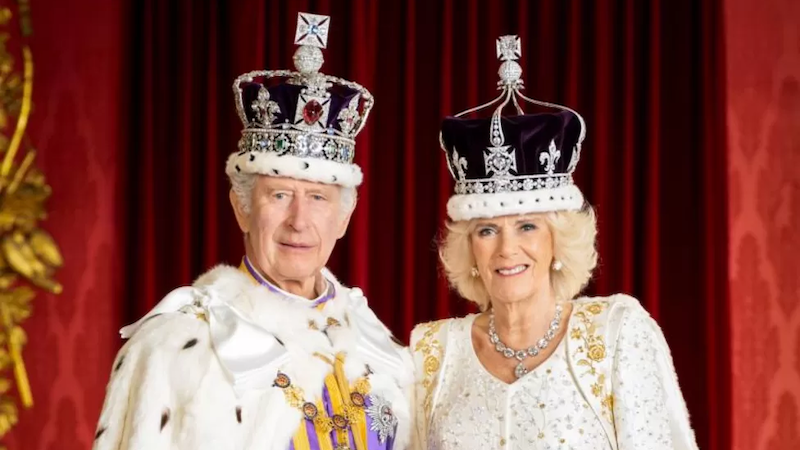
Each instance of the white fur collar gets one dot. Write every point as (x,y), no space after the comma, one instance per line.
(255,330)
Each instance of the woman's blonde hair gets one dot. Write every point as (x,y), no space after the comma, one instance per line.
(574,234)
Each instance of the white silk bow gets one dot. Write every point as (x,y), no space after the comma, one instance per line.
(251,355)
(246,351)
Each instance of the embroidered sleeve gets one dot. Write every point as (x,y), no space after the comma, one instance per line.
(649,411)
(152,378)
(591,354)
(428,353)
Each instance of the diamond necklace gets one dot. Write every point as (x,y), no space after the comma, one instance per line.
(532,351)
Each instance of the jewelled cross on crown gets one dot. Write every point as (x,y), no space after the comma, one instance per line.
(312,29)
(311,35)
(501,159)
(509,48)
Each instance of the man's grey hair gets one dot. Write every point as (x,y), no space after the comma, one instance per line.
(243,183)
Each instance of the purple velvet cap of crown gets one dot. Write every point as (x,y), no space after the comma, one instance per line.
(530,171)
(287,96)
(530,135)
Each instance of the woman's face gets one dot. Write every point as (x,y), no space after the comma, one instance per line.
(513,255)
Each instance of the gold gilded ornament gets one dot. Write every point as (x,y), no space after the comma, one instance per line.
(28,255)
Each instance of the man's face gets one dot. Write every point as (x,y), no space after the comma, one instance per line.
(292,226)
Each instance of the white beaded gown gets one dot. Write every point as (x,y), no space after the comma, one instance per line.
(609,384)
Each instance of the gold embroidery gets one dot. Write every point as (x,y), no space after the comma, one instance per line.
(294,397)
(431,364)
(362,386)
(594,308)
(352,414)
(608,402)
(597,352)
(432,350)
(593,352)
(322,423)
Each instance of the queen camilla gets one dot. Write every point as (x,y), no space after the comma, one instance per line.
(540,367)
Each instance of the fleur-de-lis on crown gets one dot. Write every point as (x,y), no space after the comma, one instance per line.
(265,109)
(460,164)
(349,117)
(549,158)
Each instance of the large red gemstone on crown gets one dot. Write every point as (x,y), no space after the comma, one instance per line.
(312,112)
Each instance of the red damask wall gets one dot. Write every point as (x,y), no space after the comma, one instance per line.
(763,60)
(77,126)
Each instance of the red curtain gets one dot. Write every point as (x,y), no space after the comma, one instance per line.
(647,76)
